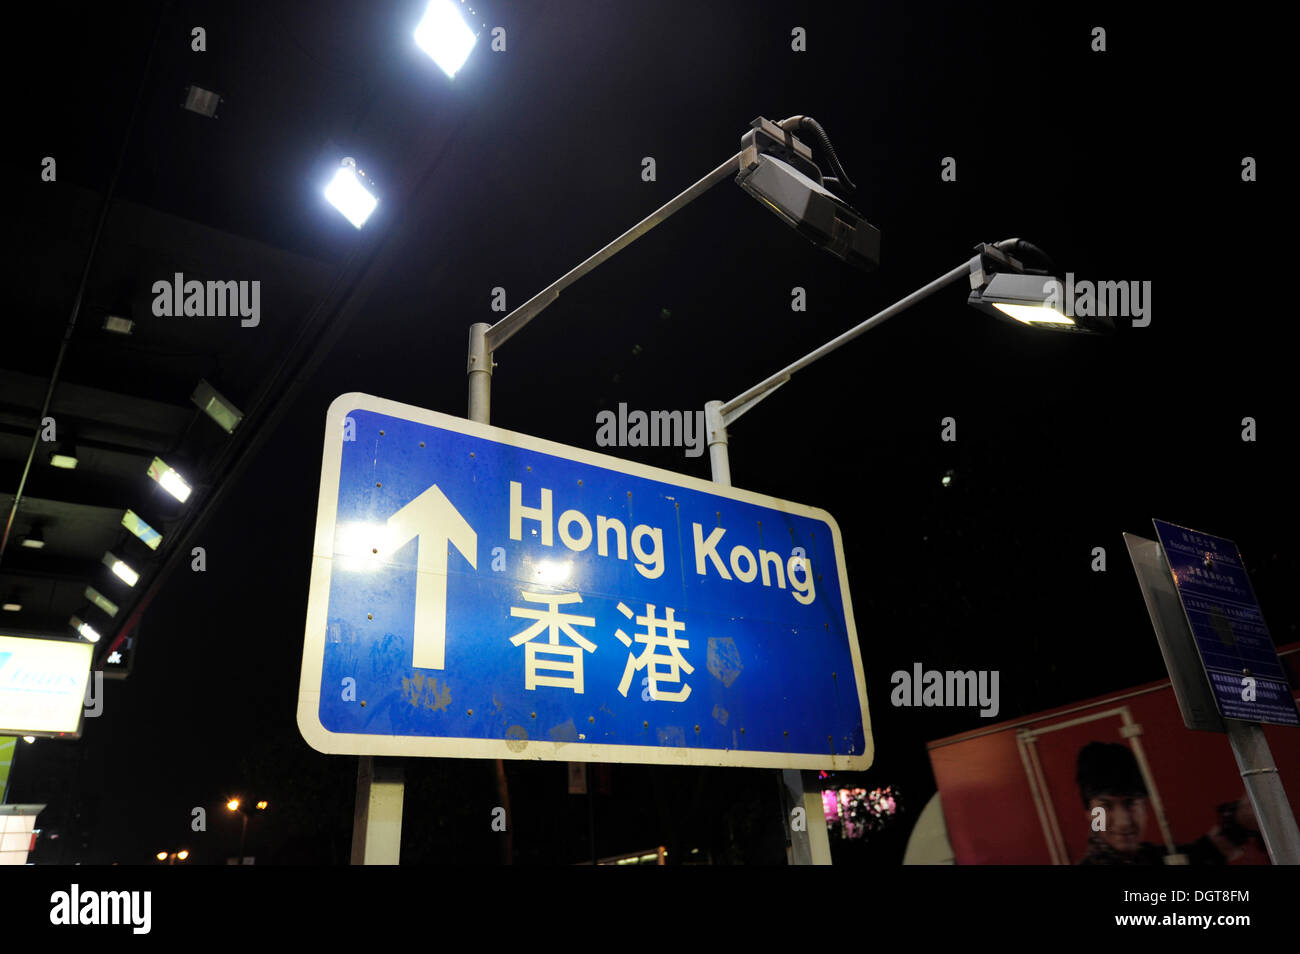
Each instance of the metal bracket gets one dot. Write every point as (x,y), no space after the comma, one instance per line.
(766,138)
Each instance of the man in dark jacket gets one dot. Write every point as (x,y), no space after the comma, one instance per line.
(1109,779)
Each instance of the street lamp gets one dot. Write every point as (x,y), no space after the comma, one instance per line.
(777,169)
(1001,285)
(235,805)
(171,857)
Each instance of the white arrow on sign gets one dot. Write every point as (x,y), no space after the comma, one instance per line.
(434,523)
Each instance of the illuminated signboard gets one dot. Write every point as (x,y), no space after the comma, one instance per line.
(42,685)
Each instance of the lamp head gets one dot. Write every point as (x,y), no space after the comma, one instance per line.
(777,170)
(1004,288)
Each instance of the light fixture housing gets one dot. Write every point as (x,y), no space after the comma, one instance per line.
(444,32)
(812,210)
(210,401)
(348,192)
(84,628)
(65,458)
(201,101)
(118,325)
(147,534)
(1034,300)
(121,569)
(100,600)
(169,479)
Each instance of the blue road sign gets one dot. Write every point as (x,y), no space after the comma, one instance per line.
(1240,660)
(481,593)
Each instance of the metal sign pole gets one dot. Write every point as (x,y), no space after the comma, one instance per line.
(377,824)
(1277,824)
(811,846)
(480,410)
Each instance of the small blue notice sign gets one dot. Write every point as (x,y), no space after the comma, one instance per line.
(1241,663)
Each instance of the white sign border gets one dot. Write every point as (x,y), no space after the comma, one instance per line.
(347,743)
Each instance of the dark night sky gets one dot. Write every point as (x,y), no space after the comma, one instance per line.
(1124,165)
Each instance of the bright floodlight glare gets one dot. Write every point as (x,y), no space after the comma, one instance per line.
(811,209)
(553,572)
(13,607)
(161,856)
(169,480)
(64,461)
(233,804)
(182,855)
(445,36)
(362,547)
(121,569)
(346,193)
(34,540)
(29,739)
(1033,314)
(84,628)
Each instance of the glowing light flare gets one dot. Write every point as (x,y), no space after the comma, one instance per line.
(552,572)
(445,36)
(362,547)
(1033,314)
(125,573)
(347,194)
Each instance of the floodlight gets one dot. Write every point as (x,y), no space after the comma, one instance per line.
(1029,299)
(118,325)
(35,540)
(233,804)
(121,569)
(102,601)
(84,628)
(161,856)
(13,607)
(201,101)
(445,36)
(65,458)
(216,407)
(813,210)
(347,193)
(169,480)
(147,534)
(182,855)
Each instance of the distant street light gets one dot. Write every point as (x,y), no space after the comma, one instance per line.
(171,857)
(234,806)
